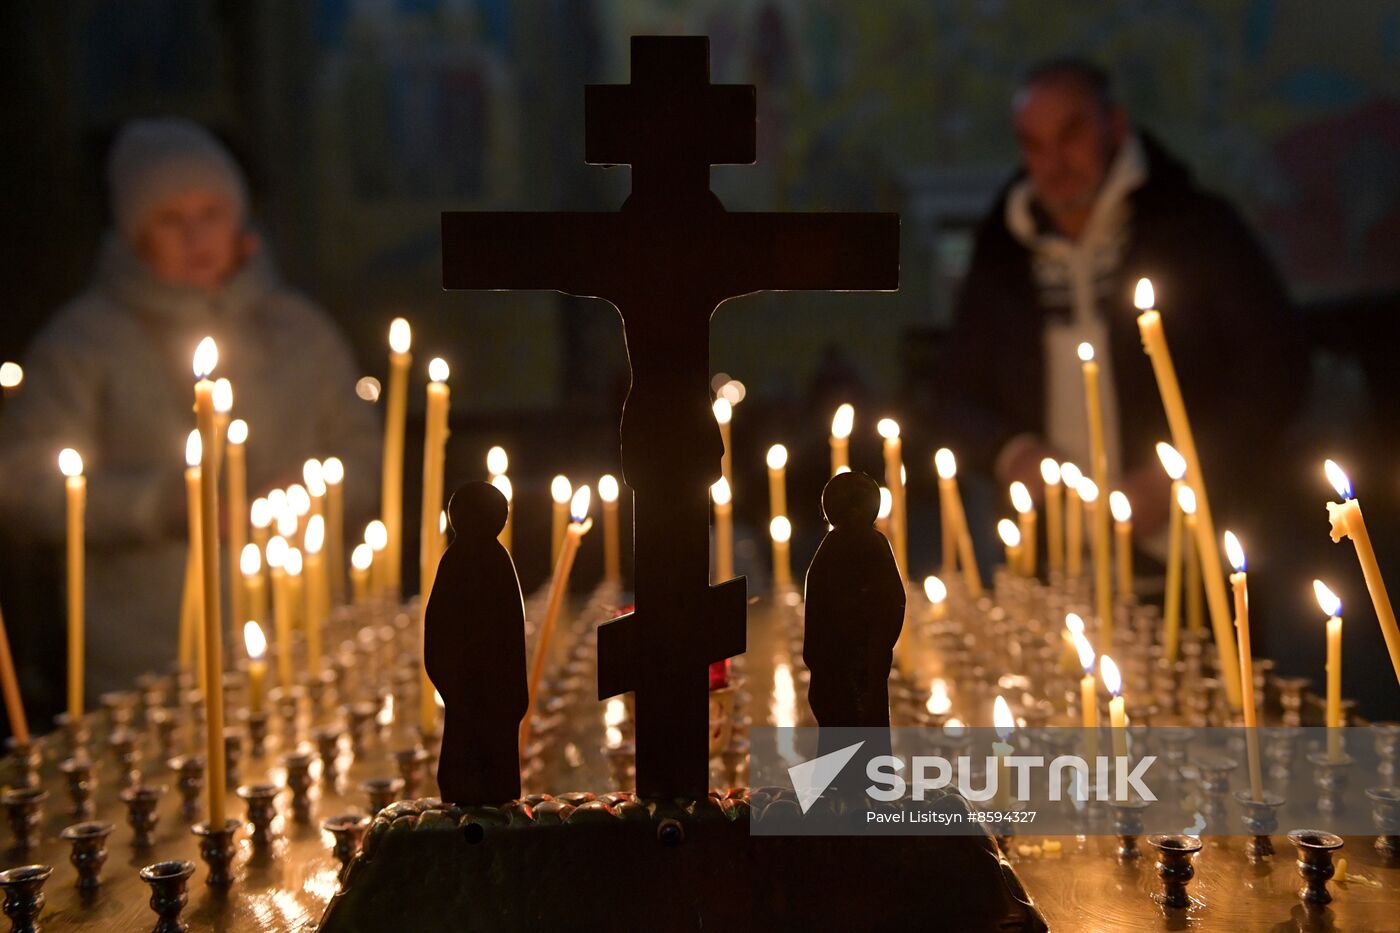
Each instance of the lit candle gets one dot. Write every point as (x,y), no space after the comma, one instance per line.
(936,592)
(1054,521)
(1011,538)
(11,375)
(14,703)
(1154,342)
(1088,694)
(1239,582)
(333,472)
(888,429)
(1004,723)
(435,432)
(191,600)
(558,587)
(1122,511)
(882,517)
(841,424)
(561,492)
(289,523)
(1089,496)
(1026,521)
(1103,580)
(223,405)
(377,537)
(276,555)
(950,499)
(1071,476)
(1195,607)
(260,520)
(1332,606)
(70,464)
(608,491)
(1117,714)
(780,530)
(313,477)
(206,357)
(724,413)
(256,643)
(724,530)
(318,591)
(503,484)
(497,461)
(236,491)
(1175,466)
(293,567)
(254,589)
(395,416)
(777,480)
(1347,522)
(360,559)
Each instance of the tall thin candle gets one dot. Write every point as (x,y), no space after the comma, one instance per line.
(1239,583)
(1054,515)
(1103,580)
(236,493)
(1122,511)
(70,463)
(888,429)
(1332,606)
(780,530)
(609,492)
(1026,520)
(841,424)
(777,459)
(561,491)
(1348,522)
(205,359)
(1074,521)
(946,465)
(395,418)
(724,531)
(1175,466)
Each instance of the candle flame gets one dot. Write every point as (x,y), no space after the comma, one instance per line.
(1086,352)
(376,535)
(720,491)
(954,728)
(333,471)
(237,431)
(287,522)
(939,702)
(888,428)
(250,560)
(438,370)
(615,712)
(1071,475)
(777,457)
(277,501)
(1121,508)
(194,449)
(1050,471)
(254,640)
(1144,296)
(1172,460)
(502,483)
(1021,498)
(1074,623)
(260,513)
(442,522)
(1186,498)
(1338,478)
(723,410)
(1327,599)
(400,335)
(1234,552)
(11,375)
(607,488)
(298,499)
(496,461)
(578,506)
(315,537)
(886,503)
(945,464)
(1010,534)
(293,564)
(223,395)
(1003,719)
(843,421)
(70,462)
(1084,650)
(362,557)
(1088,490)
(780,528)
(206,357)
(935,589)
(1109,672)
(277,552)
(560,489)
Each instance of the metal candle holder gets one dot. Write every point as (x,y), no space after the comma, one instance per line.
(27,758)
(1174,868)
(1315,849)
(1127,825)
(1330,776)
(382,792)
(1385,812)
(216,849)
(24,806)
(298,765)
(1261,819)
(262,810)
(79,774)
(348,830)
(143,813)
(126,754)
(411,762)
(24,896)
(189,781)
(169,883)
(89,854)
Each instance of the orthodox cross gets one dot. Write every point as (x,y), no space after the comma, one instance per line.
(666,260)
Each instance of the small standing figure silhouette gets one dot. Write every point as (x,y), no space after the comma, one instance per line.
(854,611)
(474,651)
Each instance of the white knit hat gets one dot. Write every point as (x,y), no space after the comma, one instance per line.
(154,159)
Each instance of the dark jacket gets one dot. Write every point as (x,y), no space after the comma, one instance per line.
(1226,314)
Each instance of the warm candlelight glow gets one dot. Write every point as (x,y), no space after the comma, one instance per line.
(578,506)
(1088,490)
(298,499)
(723,410)
(939,702)
(1071,475)
(1086,352)
(237,431)
(1009,533)
(607,487)
(1172,461)
(1338,478)
(294,563)
(1112,680)
(720,491)
(935,589)
(400,335)
(502,482)
(223,396)
(1002,718)
(1020,498)
(1233,552)
(250,561)
(780,529)
(1328,600)
(945,463)
(777,457)
(254,640)
(1074,623)
(1050,471)
(361,557)
(1120,507)
(332,471)
(376,535)
(886,503)
(70,462)
(1186,498)
(11,375)
(1143,296)
(287,522)
(194,449)
(1084,650)
(496,461)
(888,428)
(277,502)
(315,537)
(313,474)
(843,421)
(733,390)
(560,490)
(438,370)
(206,357)
(277,548)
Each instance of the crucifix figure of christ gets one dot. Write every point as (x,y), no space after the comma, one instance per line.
(666,260)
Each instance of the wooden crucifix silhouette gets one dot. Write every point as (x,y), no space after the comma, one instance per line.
(666,260)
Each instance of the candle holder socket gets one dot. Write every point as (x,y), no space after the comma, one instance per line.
(24,806)
(1261,820)
(1127,826)
(1315,849)
(382,792)
(298,765)
(189,780)
(1174,868)
(169,883)
(143,812)
(1385,813)
(89,852)
(348,831)
(79,774)
(216,849)
(24,896)
(27,757)
(1330,777)
(261,800)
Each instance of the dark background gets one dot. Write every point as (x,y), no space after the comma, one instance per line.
(358,121)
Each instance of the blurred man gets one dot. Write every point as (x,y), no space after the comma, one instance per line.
(111,376)
(1097,205)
